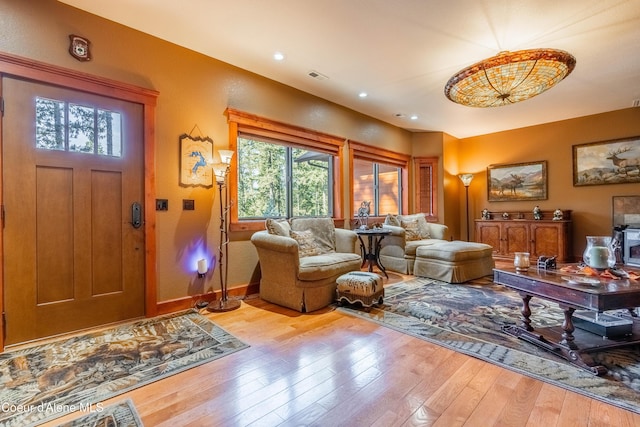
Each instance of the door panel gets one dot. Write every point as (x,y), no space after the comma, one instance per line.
(72,259)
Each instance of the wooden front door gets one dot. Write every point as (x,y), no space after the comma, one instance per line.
(73,176)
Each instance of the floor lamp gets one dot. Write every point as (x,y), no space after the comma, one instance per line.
(221,171)
(466,181)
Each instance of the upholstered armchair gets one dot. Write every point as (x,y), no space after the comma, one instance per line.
(301,259)
(408,233)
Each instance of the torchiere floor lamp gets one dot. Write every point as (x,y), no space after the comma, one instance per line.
(466,181)
(221,171)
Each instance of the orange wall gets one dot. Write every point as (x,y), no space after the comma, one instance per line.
(553,142)
(194,90)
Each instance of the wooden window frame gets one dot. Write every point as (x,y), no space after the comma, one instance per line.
(362,151)
(241,122)
(418,164)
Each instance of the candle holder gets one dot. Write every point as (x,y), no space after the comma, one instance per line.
(521,261)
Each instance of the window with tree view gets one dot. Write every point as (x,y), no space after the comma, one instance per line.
(66,126)
(282,181)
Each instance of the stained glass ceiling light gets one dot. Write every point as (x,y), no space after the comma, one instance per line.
(509,77)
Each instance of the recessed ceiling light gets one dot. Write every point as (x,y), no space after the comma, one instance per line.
(362,94)
(414,117)
(278,56)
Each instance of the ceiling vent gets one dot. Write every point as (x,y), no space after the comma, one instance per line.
(636,103)
(318,76)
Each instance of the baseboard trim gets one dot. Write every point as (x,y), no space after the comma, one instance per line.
(188,302)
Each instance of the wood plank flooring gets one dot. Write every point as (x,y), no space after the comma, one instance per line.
(329,369)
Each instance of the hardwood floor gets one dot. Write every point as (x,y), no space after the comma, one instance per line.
(329,369)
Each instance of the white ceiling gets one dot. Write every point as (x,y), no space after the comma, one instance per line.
(402,52)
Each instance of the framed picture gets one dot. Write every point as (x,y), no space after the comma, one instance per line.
(518,181)
(196,157)
(607,162)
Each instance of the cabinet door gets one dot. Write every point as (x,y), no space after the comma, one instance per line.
(489,233)
(547,240)
(516,237)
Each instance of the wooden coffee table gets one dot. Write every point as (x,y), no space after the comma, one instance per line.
(568,342)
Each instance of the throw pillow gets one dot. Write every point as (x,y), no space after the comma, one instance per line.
(392,220)
(411,230)
(279,227)
(323,230)
(423,226)
(307,245)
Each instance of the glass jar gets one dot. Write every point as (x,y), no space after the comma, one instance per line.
(599,254)
(521,261)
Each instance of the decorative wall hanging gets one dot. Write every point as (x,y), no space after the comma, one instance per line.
(79,48)
(518,181)
(607,162)
(196,158)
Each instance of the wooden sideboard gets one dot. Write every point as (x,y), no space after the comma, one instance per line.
(522,233)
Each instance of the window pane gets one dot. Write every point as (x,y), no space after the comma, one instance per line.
(363,183)
(261,179)
(50,124)
(81,128)
(388,189)
(310,179)
(109,133)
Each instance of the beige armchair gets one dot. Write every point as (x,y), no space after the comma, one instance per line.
(408,233)
(304,283)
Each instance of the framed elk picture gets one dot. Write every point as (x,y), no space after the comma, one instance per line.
(607,162)
(518,181)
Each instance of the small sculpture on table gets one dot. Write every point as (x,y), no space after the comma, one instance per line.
(547,263)
(363,214)
(486,214)
(537,213)
(557,215)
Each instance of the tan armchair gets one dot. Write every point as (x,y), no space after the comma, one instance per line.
(408,233)
(304,283)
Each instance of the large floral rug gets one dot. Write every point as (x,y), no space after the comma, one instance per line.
(46,381)
(468,318)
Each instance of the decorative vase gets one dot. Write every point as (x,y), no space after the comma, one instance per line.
(599,254)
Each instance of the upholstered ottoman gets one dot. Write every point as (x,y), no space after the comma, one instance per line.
(360,286)
(454,262)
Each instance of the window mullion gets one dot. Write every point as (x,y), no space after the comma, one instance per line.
(289,182)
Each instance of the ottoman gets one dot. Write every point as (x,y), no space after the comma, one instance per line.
(454,262)
(359,286)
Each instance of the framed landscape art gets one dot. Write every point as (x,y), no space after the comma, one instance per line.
(607,162)
(519,181)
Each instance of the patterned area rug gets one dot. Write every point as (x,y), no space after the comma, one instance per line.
(121,414)
(49,380)
(467,318)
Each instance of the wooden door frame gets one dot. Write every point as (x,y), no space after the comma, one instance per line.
(28,69)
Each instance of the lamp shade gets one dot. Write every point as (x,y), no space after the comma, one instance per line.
(509,77)
(225,156)
(466,178)
(220,171)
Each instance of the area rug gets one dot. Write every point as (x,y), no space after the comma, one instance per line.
(468,317)
(121,414)
(46,381)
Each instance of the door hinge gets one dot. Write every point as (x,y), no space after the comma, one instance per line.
(2,105)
